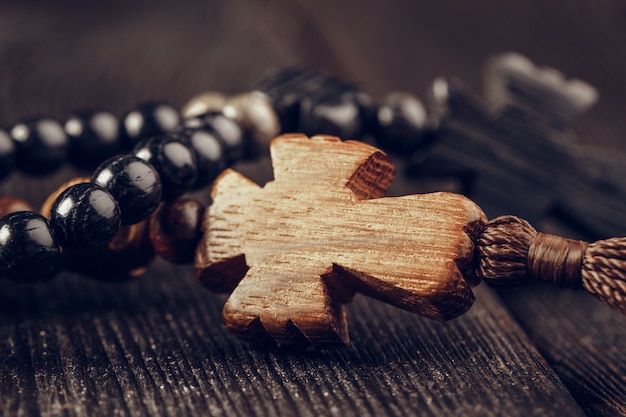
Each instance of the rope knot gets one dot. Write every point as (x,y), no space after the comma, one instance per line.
(501,251)
(557,260)
(510,252)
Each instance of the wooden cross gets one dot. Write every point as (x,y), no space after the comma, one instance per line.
(515,153)
(295,251)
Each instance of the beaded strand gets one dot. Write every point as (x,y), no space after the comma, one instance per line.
(85,215)
(170,156)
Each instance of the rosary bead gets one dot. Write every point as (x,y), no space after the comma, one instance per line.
(42,145)
(401,123)
(46,207)
(125,257)
(202,103)
(149,119)
(85,217)
(94,136)
(10,205)
(134,183)
(7,154)
(29,251)
(255,113)
(175,230)
(309,101)
(174,161)
(286,89)
(229,131)
(131,250)
(209,151)
(337,109)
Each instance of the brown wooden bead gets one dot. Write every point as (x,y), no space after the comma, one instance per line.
(127,256)
(46,207)
(10,205)
(175,230)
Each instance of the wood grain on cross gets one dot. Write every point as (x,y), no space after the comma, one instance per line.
(294,251)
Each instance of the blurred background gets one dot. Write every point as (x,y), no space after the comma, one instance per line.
(65,55)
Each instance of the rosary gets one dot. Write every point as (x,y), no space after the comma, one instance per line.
(292,253)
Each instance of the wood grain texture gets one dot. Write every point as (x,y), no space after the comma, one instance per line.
(156,346)
(320,232)
(586,350)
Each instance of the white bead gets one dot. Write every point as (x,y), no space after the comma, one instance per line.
(203,103)
(255,113)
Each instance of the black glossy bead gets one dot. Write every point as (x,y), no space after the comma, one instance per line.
(286,88)
(228,130)
(174,161)
(134,184)
(7,154)
(85,217)
(210,154)
(42,145)
(147,120)
(29,250)
(94,137)
(311,102)
(401,123)
(339,109)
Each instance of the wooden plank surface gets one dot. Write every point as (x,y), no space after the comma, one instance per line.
(157,347)
(586,350)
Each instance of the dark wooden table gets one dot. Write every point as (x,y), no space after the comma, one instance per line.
(156,346)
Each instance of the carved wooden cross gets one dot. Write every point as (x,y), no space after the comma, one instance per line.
(294,251)
(516,153)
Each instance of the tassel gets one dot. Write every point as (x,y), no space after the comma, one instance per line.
(604,271)
(510,252)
